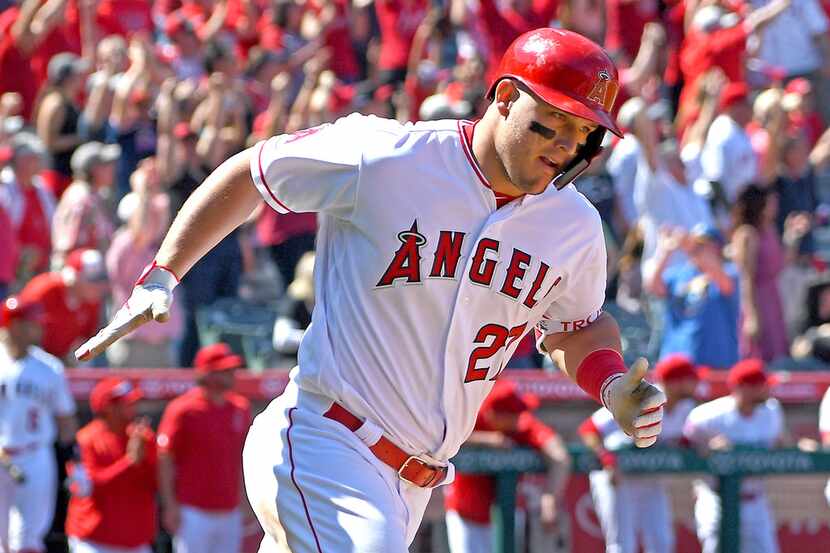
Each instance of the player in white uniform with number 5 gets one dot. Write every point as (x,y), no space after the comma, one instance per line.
(748,417)
(35,409)
(440,246)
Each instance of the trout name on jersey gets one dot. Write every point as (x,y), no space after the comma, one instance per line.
(406,265)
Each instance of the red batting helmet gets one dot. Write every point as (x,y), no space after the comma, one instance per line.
(566,70)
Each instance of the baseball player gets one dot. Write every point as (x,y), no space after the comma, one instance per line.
(113,503)
(824,430)
(629,505)
(200,445)
(440,245)
(747,416)
(35,409)
(505,418)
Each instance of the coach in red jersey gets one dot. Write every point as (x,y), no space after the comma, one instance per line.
(113,503)
(200,457)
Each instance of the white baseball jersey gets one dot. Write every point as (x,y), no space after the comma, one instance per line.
(824,414)
(425,288)
(33,391)
(721,417)
(824,429)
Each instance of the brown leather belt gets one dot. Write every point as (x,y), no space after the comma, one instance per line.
(409,468)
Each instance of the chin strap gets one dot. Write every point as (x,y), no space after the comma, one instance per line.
(583,158)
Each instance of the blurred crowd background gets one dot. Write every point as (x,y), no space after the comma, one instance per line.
(716,203)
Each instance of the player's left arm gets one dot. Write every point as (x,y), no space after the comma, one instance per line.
(591,356)
(559,471)
(67,428)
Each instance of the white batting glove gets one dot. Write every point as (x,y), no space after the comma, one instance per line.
(637,406)
(149,301)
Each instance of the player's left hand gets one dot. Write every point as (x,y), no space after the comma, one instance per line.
(548,513)
(637,405)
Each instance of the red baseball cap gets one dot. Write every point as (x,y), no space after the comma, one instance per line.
(88,264)
(504,397)
(733,93)
(675,367)
(749,371)
(800,86)
(20,308)
(215,358)
(113,390)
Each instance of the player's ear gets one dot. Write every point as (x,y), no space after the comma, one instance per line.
(506,94)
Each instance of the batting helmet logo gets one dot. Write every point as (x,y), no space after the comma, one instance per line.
(599,93)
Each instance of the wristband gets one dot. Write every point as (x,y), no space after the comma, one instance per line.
(158,274)
(599,369)
(607,459)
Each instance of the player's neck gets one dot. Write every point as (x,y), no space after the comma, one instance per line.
(215,396)
(15,351)
(745,408)
(484,152)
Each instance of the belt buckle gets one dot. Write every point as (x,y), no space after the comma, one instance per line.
(438,473)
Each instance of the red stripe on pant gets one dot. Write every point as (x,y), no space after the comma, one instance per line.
(294,478)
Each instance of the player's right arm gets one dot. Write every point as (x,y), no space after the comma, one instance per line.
(314,170)
(223,202)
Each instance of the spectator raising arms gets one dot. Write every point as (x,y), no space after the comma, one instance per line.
(57,116)
(701,296)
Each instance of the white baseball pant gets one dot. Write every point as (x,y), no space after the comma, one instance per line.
(466,536)
(634,507)
(757,532)
(80,546)
(204,531)
(317,488)
(26,510)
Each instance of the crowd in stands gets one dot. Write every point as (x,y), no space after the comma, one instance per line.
(716,203)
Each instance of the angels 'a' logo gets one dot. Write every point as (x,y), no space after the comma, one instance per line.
(599,92)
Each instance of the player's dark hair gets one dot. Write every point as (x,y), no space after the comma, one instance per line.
(749,206)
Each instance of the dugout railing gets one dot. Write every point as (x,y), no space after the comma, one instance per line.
(729,467)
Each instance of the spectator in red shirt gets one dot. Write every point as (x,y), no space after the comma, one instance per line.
(398,21)
(717,38)
(331,20)
(25,36)
(113,503)
(116,17)
(624,23)
(72,301)
(503,24)
(200,452)
(800,104)
(8,254)
(29,204)
(505,420)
